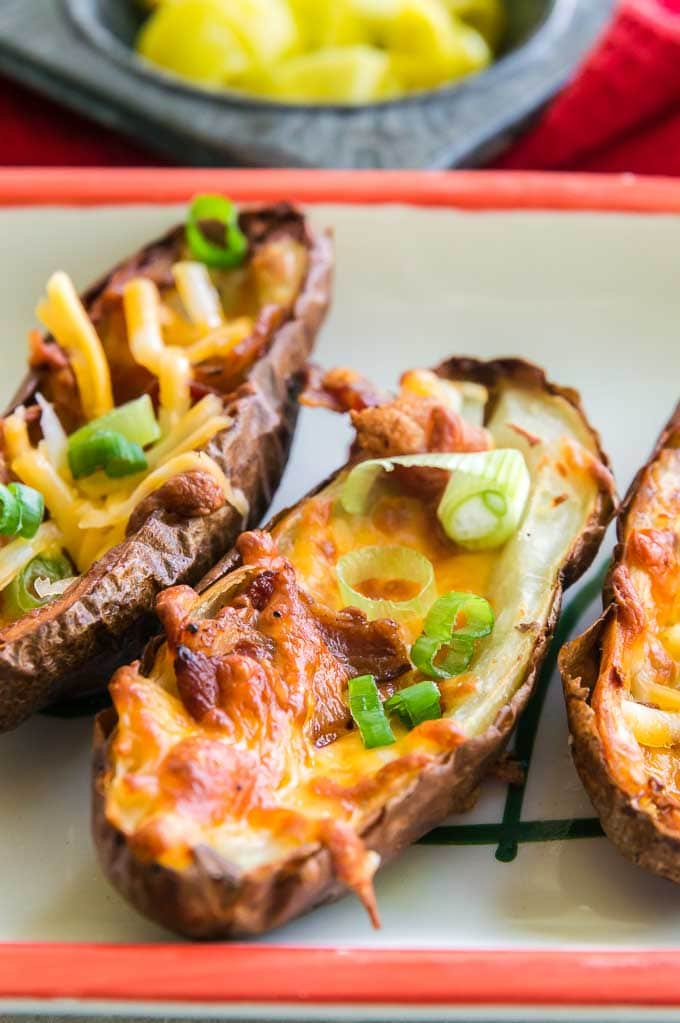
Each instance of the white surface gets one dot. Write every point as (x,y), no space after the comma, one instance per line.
(596,299)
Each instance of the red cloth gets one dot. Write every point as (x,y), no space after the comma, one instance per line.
(620,113)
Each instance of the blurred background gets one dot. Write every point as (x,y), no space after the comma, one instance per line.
(588,85)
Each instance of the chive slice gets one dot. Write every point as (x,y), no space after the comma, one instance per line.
(417,703)
(10,512)
(105,450)
(31,509)
(367,712)
(387,564)
(453,623)
(19,596)
(135,421)
(221,209)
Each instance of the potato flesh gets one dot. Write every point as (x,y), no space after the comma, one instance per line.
(519,598)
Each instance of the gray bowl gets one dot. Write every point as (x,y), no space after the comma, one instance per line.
(88,61)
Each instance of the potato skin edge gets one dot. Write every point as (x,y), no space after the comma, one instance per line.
(641,839)
(70,648)
(209,900)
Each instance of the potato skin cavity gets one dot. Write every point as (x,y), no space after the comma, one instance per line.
(217,878)
(69,647)
(621,676)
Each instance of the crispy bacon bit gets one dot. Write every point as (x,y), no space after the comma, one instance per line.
(415,426)
(579,458)
(43,353)
(340,390)
(374,648)
(531,438)
(196,681)
(630,610)
(190,495)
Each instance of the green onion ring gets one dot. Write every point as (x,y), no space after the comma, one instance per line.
(235,248)
(388,562)
(417,703)
(442,629)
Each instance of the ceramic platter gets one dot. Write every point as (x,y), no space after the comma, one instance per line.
(519,910)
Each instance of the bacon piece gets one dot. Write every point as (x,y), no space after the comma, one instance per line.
(409,426)
(414,426)
(197,685)
(44,353)
(272,659)
(340,390)
(374,648)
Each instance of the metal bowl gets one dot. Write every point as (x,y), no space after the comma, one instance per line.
(456,125)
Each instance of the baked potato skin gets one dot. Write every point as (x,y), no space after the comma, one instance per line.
(70,647)
(209,900)
(641,839)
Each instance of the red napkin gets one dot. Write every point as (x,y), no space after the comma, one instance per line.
(620,113)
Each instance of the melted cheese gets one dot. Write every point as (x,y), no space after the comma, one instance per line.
(343,783)
(639,720)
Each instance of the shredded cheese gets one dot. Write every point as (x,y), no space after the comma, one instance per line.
(141,304)
(198,294)
(220,342)
(15,434)
(64,316)
(193,461)
(34,468)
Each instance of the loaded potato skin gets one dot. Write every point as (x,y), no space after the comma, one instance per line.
(246,371)
(248,771)
(620,677)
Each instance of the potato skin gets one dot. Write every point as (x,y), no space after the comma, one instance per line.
(640,838)
(209,900)
(70,647)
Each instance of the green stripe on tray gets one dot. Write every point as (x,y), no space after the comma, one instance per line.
(508,843)
(524,831)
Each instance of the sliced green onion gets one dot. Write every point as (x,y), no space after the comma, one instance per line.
(31,509)
(390,564)
(453,624)
(20,596)
(135,421)
(483,503)
(484,508)
(417,703)
(106,450)
(10,513)
(235,248)
(367,712)
(22,509)
(457,659)
(465,614)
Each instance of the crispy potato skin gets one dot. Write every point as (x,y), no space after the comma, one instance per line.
(642,839)
(70,647)
(210,900)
